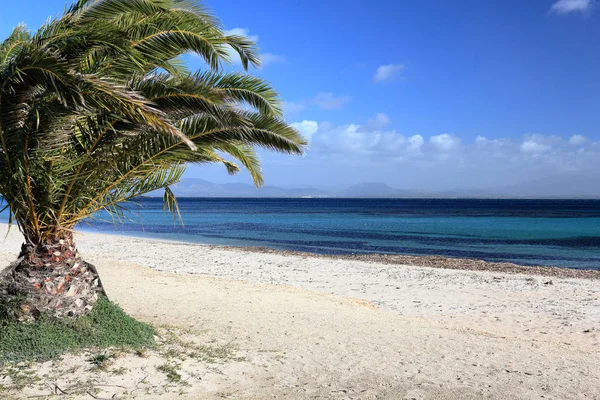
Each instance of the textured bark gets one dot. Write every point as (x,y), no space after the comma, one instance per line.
(50,278)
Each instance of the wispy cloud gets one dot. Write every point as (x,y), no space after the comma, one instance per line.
(266,58)
(307,128)
(293,107)
(241,32)
(577,140)
(270,58)
(534,147)
(445,142)
(380,121)
(388,72)
(329,101)
(569,6)
(323,100)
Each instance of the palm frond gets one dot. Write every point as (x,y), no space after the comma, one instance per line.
(170,203)
(97,108)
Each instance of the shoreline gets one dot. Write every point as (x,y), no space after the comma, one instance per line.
(442,262)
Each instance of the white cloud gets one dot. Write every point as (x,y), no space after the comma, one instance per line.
(375,152)
(381,120)
(323,100)
(577,140)
(444,142)
(329,101)
(350,140)
(533,147)
(241,32)
(270,58)
(291,107)
(307,128)
(415,142)
(569,6)
(535,144)
(388,72)
(266,58)
(482,140)
(377,142)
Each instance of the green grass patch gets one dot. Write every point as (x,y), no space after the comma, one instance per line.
(105,326)
(171,370)
(175,347)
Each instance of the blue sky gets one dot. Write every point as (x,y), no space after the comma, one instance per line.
(430,94)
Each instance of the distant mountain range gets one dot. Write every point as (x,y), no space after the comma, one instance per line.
(568,185)
(565,186)
(201,188)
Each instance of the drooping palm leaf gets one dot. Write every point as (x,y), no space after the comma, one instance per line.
(96,108)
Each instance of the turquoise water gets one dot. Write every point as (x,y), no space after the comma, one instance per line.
(563,233)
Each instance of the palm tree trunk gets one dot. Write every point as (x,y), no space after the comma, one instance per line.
(50,278)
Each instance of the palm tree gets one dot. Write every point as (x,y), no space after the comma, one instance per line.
(97,107)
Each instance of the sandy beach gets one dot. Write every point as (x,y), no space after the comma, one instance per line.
(320,327)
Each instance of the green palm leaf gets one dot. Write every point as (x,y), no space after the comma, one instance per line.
(96,108)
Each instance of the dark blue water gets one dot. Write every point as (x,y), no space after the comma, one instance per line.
(564,233)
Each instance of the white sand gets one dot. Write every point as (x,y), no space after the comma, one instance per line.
(437,333)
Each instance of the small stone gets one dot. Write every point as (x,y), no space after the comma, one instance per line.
(57,253)
(71,292)
(61,241)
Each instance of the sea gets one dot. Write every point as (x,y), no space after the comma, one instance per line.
(562,233)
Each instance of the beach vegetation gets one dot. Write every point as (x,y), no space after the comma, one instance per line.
(98,107)
(106,326)
(171,371)
(176,344)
